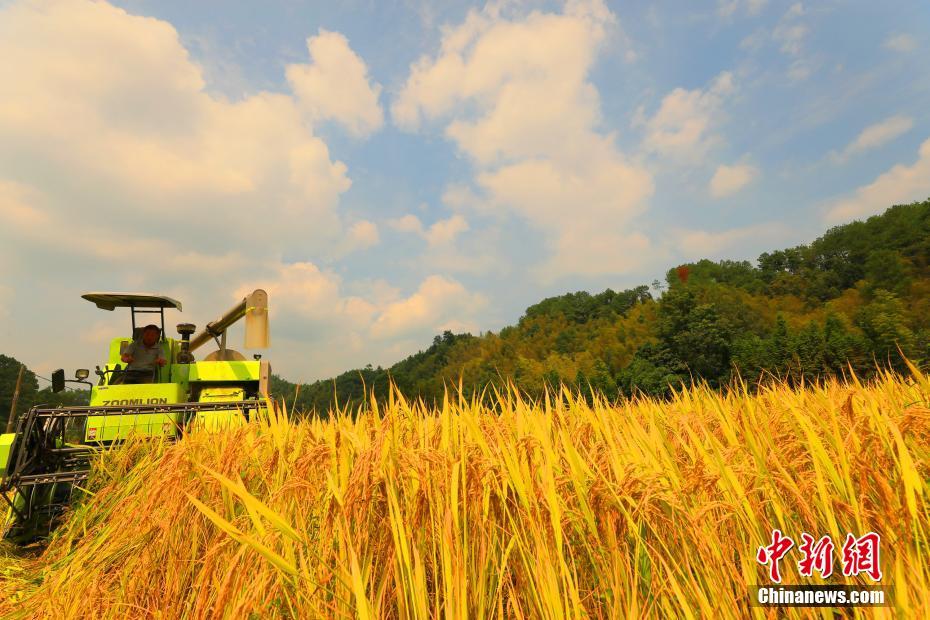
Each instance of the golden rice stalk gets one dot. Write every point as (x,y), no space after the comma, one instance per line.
(564,508)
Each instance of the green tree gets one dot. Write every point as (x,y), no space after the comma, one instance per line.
(598,379)
(885,269)
(779,346)
(694,334)
(883,322)
(9,370)
(649,373)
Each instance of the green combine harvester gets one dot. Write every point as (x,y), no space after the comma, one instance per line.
(45,461)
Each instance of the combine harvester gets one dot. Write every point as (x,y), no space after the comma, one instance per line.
(48,456)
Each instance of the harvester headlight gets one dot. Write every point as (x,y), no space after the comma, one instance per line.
(81,373)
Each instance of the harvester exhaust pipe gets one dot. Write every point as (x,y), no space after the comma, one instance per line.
(186,329)
(254,307)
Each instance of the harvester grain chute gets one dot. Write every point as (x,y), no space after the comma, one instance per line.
(46,460)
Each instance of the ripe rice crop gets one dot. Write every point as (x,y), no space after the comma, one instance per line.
(554,509)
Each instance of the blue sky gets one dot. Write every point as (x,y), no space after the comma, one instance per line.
(391,169)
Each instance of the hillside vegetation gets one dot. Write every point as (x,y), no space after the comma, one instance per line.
(855,298)
(851,298)
(554,509)
(29,392)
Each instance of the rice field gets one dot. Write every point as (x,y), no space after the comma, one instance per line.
(551,509)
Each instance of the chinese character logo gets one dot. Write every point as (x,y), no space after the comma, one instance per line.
(817,556)
(861,555)
(773,554)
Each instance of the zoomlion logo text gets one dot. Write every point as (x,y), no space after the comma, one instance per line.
(136,401)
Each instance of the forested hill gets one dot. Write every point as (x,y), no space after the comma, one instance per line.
(853,297)
(29,392)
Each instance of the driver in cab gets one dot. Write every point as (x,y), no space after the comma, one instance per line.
(143,356)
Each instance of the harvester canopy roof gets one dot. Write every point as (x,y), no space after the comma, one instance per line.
(111,301)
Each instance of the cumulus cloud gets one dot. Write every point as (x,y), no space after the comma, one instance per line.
(408,223)
(26,212)
(729,8)
(902,42)
(444,232)
(754,41)
(343,325)
(340,328)
(745,240)
(440,233)
(514,96)
(728,180)
(302,289)
(900,185)
(120,169)
(105,111)
(437,303)
(790,33)
(335,85)
(360,235)
(682,127)
(875,136)
(449,250)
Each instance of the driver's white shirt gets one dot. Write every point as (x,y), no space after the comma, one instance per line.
(144,357)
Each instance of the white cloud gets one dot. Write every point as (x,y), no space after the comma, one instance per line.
(103,112)
(874,136)
(323,325)
(440,233)
(591,250)
(444,232)
(791,33)
(900,185)
(728,180)
(122,170)
(728,8)
(754,41)
(335,86)
(302,289)
(791,36)
(515,98)
(361,235)
(438,302)
(408,223)
(319,300)
(903,43)
(462,197)
(26,212)
(799,69)
(526,79)
(447,250)
(795,10)
(682,126)
(698,244)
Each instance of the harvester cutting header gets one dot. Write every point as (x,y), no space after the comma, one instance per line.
(149,385)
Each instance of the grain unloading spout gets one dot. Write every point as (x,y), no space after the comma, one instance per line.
(256,320)
(254,307)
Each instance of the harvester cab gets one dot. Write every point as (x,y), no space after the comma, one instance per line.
(113,372)
(44,462)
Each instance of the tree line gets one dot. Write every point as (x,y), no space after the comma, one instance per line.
(855,298)
(29,392)
(858,297)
